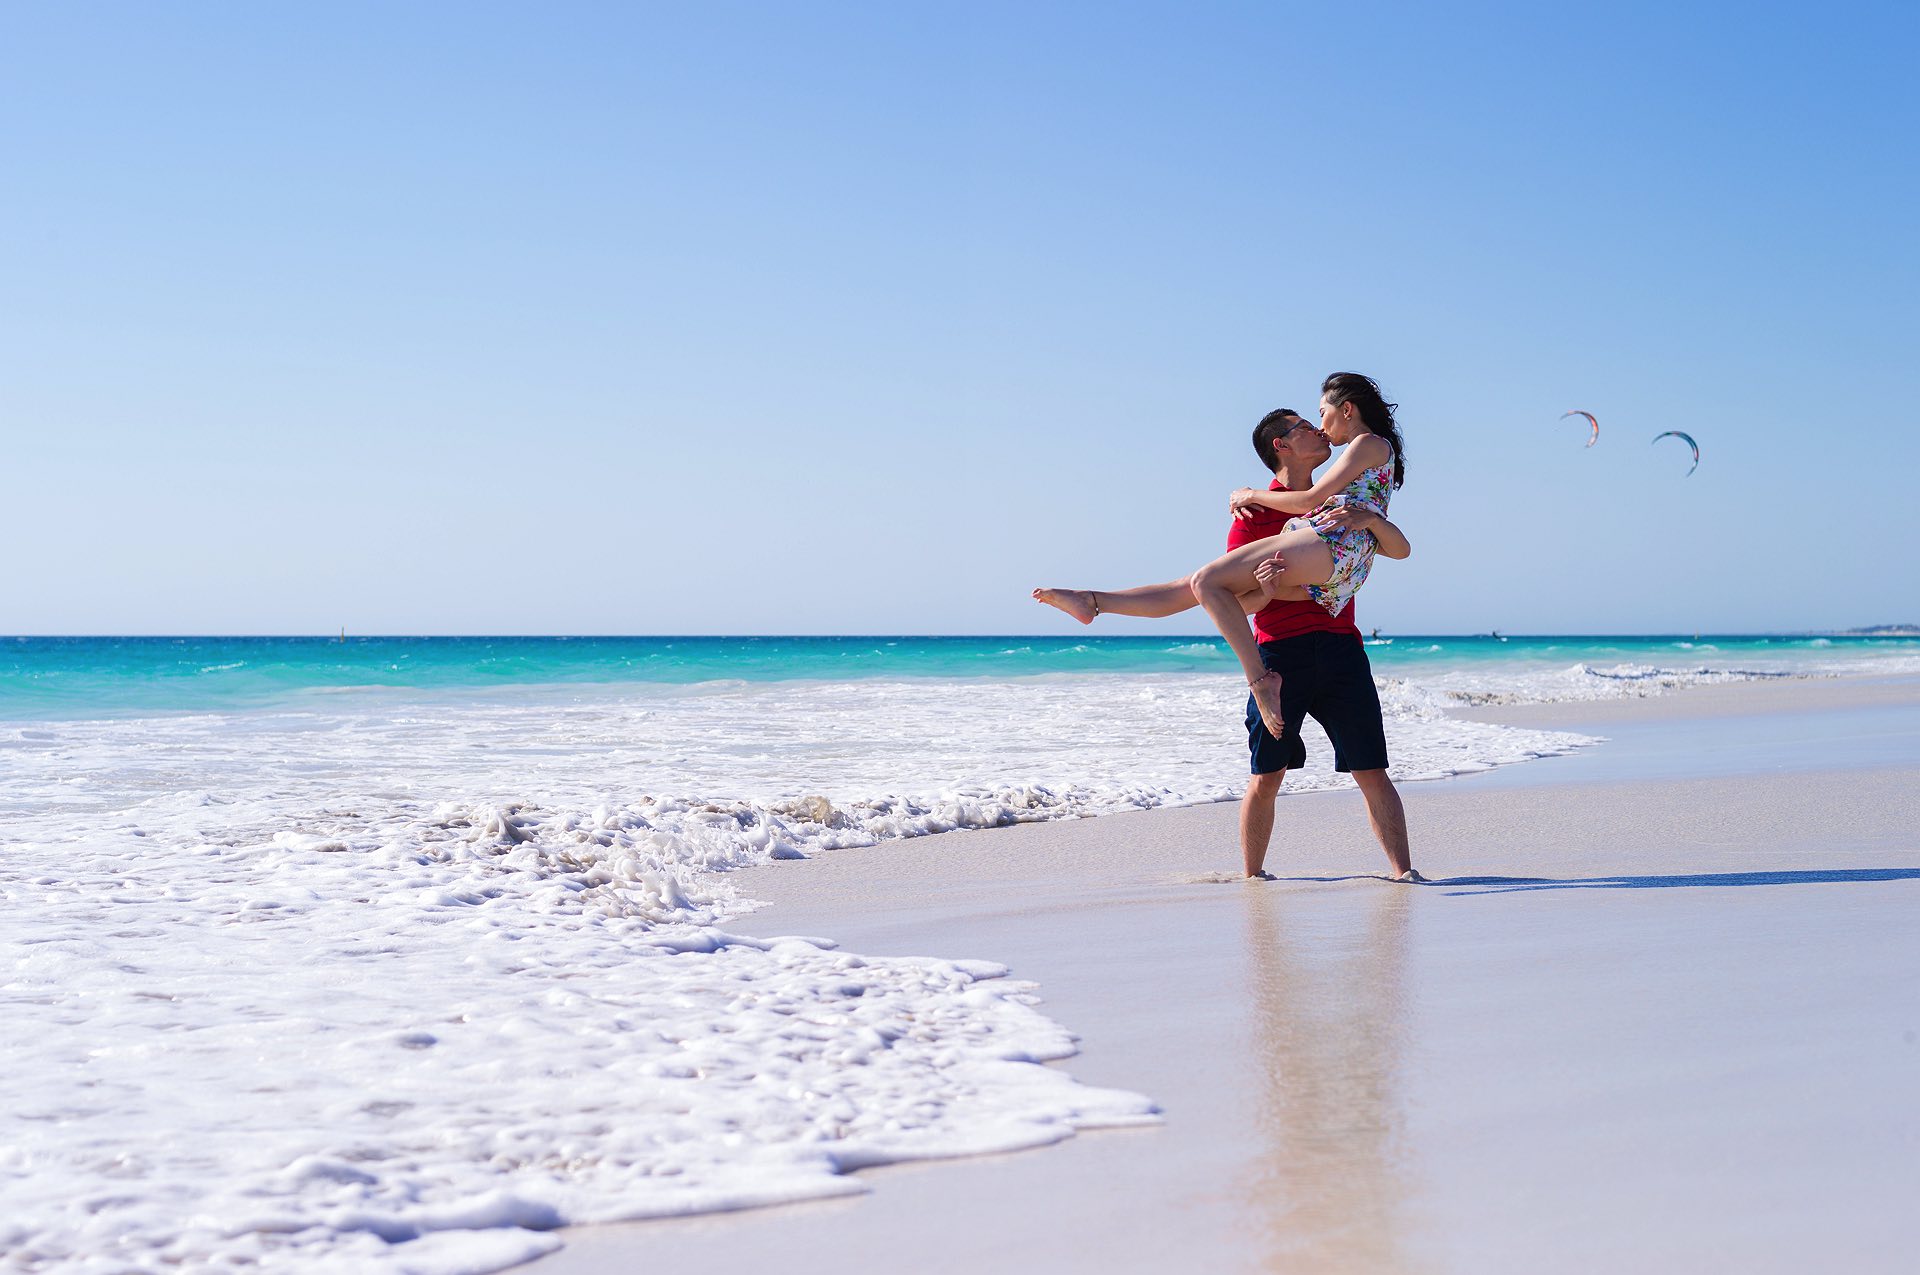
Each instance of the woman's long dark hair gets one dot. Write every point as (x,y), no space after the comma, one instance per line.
(1375,413)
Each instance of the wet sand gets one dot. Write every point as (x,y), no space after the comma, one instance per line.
(1655,1011)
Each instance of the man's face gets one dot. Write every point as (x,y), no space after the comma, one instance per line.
(1305,442)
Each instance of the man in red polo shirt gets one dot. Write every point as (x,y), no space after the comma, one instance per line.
(1322,662)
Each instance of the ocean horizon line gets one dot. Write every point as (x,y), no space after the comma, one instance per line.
(1872,631)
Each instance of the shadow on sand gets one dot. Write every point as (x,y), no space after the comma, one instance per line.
(1506,885)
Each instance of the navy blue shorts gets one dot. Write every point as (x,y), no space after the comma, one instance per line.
(1324,676)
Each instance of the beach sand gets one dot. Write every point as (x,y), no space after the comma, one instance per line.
(1656,1010)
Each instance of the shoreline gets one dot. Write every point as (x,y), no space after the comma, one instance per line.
(1318,1035)
(1755,697)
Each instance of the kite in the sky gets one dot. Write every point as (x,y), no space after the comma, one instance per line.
(1688,440)
(1595,436)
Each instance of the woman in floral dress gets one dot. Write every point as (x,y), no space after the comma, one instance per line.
(1330,561)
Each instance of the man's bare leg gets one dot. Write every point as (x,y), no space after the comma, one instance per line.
(1256,819)
(1389,820)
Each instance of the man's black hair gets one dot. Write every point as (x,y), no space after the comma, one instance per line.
(1268,431)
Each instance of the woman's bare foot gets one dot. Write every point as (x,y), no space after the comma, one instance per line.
(1410,877)
(1078,603)
(1266,697)
(1271,574)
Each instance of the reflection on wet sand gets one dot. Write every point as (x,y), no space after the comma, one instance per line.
(1326,973)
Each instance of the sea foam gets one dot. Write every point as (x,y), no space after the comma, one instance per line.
(317,1049)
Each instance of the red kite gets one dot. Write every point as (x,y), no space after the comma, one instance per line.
(1595,436)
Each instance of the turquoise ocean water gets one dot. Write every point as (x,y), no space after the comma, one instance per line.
(92,677)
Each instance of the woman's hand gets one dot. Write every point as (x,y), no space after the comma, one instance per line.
(1245,502)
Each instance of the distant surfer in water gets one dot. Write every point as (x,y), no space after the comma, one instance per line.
(1318,653)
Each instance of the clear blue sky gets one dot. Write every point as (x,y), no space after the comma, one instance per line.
(707,318)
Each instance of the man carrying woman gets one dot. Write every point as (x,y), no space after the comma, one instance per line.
(1296,555)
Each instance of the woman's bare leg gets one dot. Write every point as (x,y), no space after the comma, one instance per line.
(1293,560)
(1220,585)
(1259,599)
(1151,601)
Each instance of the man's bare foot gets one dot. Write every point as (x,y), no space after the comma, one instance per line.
(1410,877)
(1078,603)
(1271,574)
(1266,697)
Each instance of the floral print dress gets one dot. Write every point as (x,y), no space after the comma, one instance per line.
(1353,550)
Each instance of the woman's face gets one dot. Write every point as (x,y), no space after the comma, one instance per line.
(1340,423)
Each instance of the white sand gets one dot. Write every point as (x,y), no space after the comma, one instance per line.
(1657,1011)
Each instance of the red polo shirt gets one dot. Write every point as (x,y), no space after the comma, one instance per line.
(1286,619)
